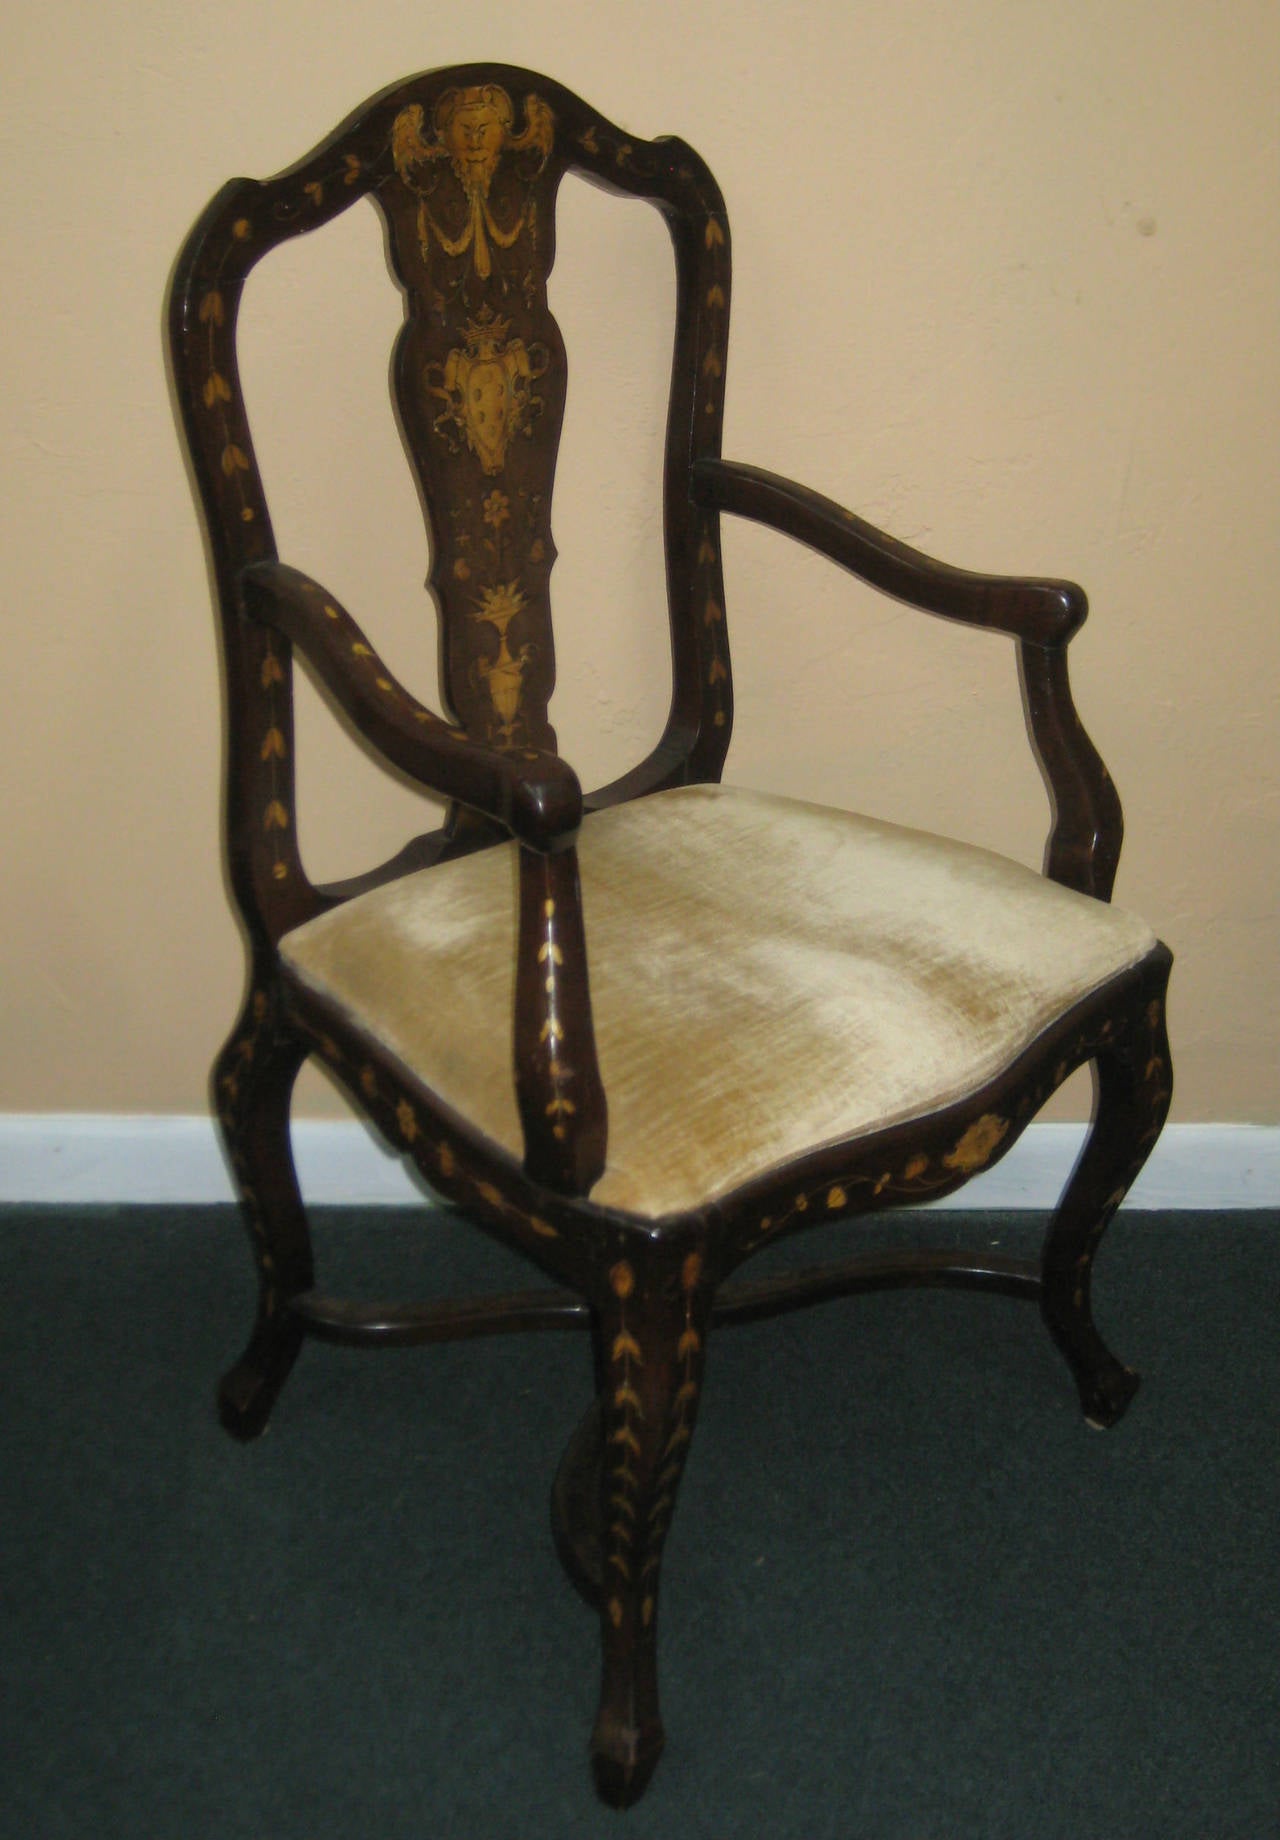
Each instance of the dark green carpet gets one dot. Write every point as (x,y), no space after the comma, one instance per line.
(909,1596)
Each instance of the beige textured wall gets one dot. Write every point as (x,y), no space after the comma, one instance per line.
(1007,282)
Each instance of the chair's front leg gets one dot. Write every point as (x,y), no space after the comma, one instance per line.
(252,1082)
(653,1329)
(1134,1085)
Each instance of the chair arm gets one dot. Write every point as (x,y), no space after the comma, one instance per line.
(1087,824)
(534,795)
(1044,612)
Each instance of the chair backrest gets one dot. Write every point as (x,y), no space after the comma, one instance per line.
(464,165)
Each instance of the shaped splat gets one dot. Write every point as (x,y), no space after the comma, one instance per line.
(480,387)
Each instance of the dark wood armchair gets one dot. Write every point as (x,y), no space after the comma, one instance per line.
(638,1033)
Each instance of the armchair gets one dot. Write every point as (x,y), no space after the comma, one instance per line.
(635,1034)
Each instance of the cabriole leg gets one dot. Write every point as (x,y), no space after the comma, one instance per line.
(253,1080)
(652,1339)
(1133,1085)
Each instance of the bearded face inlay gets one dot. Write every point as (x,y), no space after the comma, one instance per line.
(472,131)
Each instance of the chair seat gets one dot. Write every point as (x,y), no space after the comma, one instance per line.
(767,976)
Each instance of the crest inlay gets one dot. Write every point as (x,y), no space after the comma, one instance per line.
(485,386)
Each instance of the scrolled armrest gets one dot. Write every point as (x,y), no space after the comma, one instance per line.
(1043,612)
(534,795)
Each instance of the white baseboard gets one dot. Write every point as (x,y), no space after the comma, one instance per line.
(80,1158)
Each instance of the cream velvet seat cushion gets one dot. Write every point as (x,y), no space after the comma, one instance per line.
(766,976)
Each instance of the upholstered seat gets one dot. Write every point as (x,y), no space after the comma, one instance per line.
(740,945)
(636,1032)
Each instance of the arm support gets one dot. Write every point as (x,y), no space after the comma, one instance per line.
(1083,851)
(559,1091)
(534,796)
(1087,826)
(1044,612)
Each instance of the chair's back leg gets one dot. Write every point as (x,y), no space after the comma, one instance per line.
(1134,1086)
(652,1334)
(252,1082)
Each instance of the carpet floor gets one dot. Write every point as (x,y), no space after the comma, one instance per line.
(908,1594)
